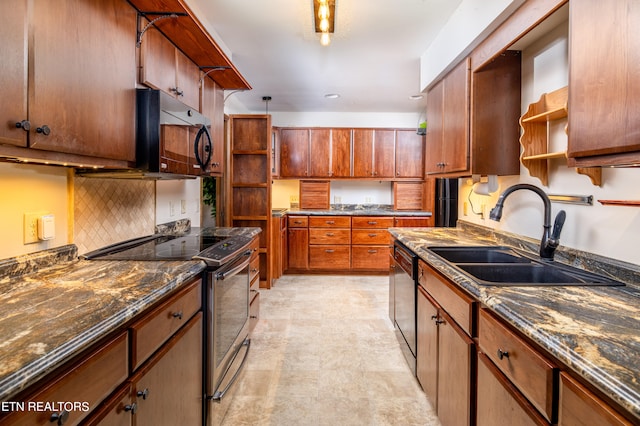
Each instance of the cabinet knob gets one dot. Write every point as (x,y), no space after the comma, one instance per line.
(45,130)
(177,315)
(143,393)
(131,407)
(503,354)
(24,125)
(59,418)
(330,234)
(177,91)
(438,322)
(434,317)
(372,251)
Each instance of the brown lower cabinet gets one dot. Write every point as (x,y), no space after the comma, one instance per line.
(161,385)
(342,243)
(477,370)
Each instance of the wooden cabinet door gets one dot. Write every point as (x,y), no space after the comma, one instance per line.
(384,153)
(455,119)
(427,346)
(409,154)
(213,108)
(604,89)
(363,152)
(13,78)
(172,381)
(434,156)
(158,61)
(83,93)
(294,152)
(499,402)
(340,153)
(320,153)
(298,248)
(456,361)
(187,81)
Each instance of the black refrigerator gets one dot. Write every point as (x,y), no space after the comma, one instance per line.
(446,202)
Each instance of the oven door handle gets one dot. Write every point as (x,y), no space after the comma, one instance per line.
(235,267)
(219,394)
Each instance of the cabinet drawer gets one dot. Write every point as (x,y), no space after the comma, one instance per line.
(458,305)
(329,236)
(330,222)
(158,326)
(88,383)
(329,257)
(370,258)
(529,371)
(578,406)
(370,236)
(297,221)
(371,222)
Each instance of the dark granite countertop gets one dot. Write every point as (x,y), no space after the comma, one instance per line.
(592,330)
(355,210)
(51,313)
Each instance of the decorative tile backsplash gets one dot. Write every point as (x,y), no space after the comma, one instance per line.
(107,211)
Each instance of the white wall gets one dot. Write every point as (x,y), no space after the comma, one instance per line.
(605,230)
(171,194)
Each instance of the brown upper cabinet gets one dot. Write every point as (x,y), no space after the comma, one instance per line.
(409,154)
(78,100)
(212,105)
(447,140)
(604,89)
(331,150)
(374,153)
(294,152)
(165,67)
(351,153)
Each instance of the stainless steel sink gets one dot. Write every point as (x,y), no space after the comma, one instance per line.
(504,266)
(479,254)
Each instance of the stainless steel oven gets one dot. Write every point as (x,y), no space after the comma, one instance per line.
(405,292)
(227,327)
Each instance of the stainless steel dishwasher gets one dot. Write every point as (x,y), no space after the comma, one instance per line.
(405,292)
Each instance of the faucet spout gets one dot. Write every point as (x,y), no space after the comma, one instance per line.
(549,241)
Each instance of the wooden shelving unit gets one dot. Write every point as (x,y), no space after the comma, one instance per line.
(251,181)
(552,106)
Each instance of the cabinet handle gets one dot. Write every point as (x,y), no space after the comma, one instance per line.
(177,315)
(253,316)
(372,222)
(329,251)
(373,235)
(503,354)
(434,317)
(177,91)
(131,407)
(45,130)
(331,222)
(372,251)
(330,234)
(254,270)
(59,418)
(24,125)
(143,393)
(438,322)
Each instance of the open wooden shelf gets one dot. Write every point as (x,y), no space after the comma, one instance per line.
(552,106)
(629,203)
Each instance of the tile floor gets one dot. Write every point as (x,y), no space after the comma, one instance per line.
(324,353)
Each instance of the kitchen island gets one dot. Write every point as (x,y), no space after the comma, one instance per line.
(592,331)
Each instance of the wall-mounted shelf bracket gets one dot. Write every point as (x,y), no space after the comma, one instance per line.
(211,68)
(158,16)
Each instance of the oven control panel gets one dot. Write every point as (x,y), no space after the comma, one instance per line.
(222,252)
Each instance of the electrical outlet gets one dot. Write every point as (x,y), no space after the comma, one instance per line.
(183,206)
(337,199)
(294,199)
(367,200)
(31,227)
(172,208)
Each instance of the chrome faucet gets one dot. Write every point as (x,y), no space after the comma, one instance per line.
(550,240)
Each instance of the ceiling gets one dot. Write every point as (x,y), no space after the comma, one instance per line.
(373,61)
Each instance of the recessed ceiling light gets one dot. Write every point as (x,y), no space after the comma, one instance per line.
(415,97)
(332,96)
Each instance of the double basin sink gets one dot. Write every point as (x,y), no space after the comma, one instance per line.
(504,266)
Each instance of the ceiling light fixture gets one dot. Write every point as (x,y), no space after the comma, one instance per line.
(415,97)
(324,12)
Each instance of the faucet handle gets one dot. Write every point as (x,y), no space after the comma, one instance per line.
(557,227)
